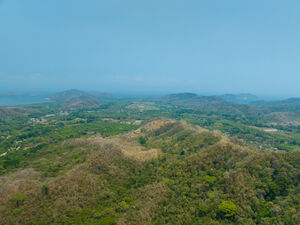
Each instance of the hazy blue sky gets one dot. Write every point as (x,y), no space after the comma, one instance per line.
(159,46)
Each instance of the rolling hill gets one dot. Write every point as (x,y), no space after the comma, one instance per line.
(165,172)
(286,102)
(208,103)
(75,99)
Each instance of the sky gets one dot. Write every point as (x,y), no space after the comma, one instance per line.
(158,46)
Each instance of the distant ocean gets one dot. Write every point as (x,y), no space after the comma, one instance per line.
(21,100)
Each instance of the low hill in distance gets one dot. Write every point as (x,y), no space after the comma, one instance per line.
(68,95)
(208,103)
(75,99)
(286,102)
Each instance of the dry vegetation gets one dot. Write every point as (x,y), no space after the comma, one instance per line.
(166,172)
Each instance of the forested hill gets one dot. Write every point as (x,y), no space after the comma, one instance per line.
(178,159)
(75,99)
(165,172)
(286,102)
(209,103)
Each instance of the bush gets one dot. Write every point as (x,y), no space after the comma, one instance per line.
(107,221)
(45,189)
(227,209)
(142,141)
(18,200)
(203,209)
(210,179)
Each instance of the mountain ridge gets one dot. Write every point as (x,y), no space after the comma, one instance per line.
(193,176)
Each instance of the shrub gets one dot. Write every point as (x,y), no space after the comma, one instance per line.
(227,209)
(107,221)
(123,206)
(203,209)
(45,189)
(18,200)
(210,179)
(142,141)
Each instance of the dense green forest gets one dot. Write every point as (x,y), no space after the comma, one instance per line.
(178,159)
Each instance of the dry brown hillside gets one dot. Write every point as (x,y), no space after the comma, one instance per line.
(165,172)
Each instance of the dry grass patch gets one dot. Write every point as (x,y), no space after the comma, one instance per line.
(130,149)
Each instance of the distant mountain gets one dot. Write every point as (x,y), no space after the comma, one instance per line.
(286,102)
(74,99)
(240,98)
(207,103)
(68,95)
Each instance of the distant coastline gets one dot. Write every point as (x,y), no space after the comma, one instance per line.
(14,100)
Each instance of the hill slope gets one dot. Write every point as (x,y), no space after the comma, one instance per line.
(165,172)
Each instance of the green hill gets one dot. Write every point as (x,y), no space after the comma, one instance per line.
(209,103)
(75,99)
(165,172)
(285,102)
